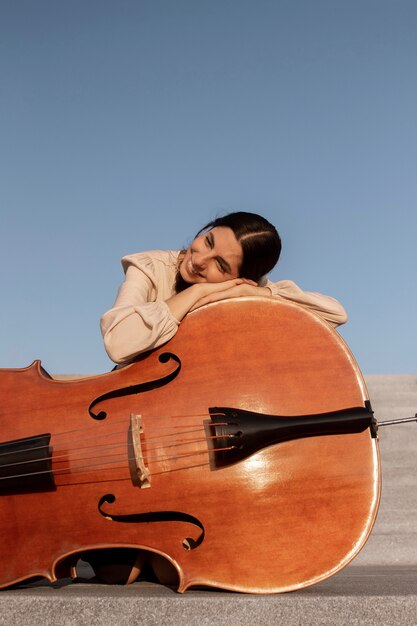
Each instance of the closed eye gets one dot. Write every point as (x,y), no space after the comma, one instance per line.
(223,265)
(210,240)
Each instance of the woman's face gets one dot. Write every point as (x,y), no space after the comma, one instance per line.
(213,257)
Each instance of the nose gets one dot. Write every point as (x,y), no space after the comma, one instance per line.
(200,260)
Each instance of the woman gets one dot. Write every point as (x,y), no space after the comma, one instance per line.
(229,257)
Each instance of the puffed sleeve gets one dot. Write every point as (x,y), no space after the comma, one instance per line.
(138,321)
(329,308)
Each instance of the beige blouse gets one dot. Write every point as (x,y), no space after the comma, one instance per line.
(141,320)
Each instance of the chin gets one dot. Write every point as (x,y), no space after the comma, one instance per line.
(185,277)
(190,279)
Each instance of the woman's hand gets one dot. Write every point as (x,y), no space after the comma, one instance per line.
(231,289)
(199,294)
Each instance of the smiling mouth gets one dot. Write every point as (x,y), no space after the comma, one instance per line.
(192,270)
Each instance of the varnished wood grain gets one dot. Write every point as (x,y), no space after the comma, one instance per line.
(288,516)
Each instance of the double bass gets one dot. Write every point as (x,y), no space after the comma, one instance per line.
(244,452)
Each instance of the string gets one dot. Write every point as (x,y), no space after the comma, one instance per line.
(122,420)
(106,434)
(71,454)
(153,444)
(73,470)
(117,432)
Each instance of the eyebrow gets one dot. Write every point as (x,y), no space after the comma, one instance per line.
(221,260)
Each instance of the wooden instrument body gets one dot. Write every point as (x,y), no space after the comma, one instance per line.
(287,517)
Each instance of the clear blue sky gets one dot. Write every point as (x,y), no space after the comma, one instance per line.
(126,125)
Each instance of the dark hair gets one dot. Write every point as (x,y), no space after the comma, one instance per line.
(260,241)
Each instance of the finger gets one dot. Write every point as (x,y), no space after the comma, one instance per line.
(224,285)
(232,292)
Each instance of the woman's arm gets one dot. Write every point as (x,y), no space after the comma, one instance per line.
(136,322)
(202,293)
(142,319)
(329,308)
(145,315)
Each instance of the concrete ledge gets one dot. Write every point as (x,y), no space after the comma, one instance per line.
(357,595)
